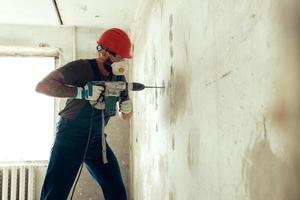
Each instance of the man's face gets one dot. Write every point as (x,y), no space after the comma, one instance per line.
(107,56)
(108,61)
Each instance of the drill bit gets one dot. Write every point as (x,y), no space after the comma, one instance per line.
(154,87)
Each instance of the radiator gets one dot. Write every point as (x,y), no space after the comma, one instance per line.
(17,183)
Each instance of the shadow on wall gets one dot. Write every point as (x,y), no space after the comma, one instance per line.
(269,177)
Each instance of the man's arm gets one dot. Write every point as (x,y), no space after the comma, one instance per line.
(53,85)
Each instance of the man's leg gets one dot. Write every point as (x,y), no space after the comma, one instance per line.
(65,160)
(108,175)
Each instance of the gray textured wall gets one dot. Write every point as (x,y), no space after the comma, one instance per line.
(210,134)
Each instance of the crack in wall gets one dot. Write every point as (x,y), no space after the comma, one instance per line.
(265,128)
(221,77)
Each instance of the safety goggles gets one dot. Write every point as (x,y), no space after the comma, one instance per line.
(112,55)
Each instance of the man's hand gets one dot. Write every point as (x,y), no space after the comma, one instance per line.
(89,92)
(126,106)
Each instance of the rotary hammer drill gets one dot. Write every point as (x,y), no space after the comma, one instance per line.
(113,89)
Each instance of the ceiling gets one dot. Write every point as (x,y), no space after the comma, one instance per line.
(93,13)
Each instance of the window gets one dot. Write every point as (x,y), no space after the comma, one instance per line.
(26,117)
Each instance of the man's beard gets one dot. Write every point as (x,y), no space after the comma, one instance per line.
(108,61)
(107,65)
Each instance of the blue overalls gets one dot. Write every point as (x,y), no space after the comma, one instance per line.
(67,155)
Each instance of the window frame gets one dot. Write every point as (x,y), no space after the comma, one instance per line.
(21,51)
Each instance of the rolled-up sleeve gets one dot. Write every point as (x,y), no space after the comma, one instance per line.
(76,73)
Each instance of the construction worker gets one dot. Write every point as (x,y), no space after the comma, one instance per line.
(79,135)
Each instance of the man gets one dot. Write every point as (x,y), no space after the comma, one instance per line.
(80,137)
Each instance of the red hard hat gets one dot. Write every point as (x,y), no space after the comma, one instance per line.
(117,41)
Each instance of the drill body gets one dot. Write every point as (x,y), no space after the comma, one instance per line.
(114,88)
(112,92)
(111,88)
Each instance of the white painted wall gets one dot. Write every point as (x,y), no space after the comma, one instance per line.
(85,47)
(208,135)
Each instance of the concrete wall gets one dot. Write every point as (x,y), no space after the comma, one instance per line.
(286,109)
(84,41)
(210,133)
